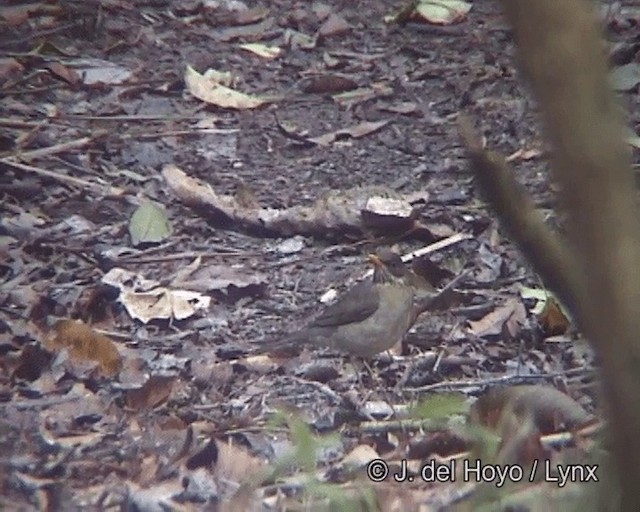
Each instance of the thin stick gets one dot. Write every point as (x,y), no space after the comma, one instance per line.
(63,178)
(52,150)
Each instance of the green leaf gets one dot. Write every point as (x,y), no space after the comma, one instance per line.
(149,224)
(441,406)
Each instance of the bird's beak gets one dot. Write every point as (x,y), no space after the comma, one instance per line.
(375,261)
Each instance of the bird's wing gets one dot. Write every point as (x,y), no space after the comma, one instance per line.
(359,303)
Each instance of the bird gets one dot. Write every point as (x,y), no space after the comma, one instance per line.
(369,318)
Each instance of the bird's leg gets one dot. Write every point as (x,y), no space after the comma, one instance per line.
(388,397)
(358,366)
(380,386)
(365,365)
(359,402)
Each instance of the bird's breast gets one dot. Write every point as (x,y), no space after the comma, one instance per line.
(384,328)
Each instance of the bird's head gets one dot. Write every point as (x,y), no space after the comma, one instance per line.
(388,267)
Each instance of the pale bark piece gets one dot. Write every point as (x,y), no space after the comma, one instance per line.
(337,214)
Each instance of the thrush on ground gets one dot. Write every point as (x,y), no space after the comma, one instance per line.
(369,318)
(373,315)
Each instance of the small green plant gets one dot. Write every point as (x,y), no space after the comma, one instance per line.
(318,494)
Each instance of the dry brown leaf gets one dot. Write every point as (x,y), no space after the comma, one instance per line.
(262,50)
(85,344)
(334,25)
(31,363)
(507,317)
(153,393)
(525,154)
(552,318)
(209,90)
(328,83)
(65,73)
(355,132)
(356,96)
(144,300)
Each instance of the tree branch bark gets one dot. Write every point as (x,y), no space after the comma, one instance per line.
(598,267)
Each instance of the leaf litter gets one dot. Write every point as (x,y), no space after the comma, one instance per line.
(144,390)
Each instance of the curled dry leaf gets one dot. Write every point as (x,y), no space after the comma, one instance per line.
(163,304)
(442,12)
(356,132)
(262,50)
(144,300)
(212,91)
(84,343)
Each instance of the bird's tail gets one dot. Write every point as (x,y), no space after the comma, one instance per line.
(289,345)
